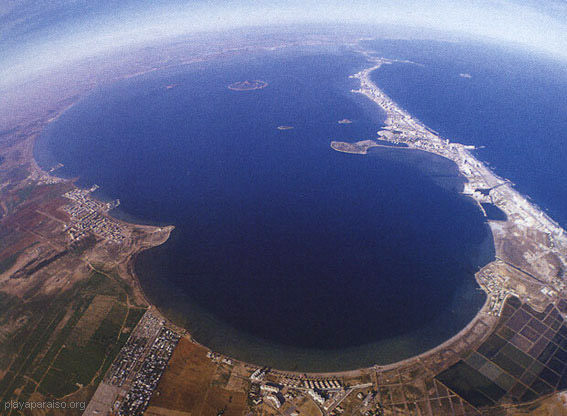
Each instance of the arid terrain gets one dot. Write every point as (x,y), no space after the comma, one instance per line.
(73,320)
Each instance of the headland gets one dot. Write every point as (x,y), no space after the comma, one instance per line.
(42,216)
(360,148)
(527,228)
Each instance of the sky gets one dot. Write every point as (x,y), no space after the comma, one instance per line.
(38,34)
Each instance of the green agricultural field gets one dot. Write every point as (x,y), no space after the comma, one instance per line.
(67,342)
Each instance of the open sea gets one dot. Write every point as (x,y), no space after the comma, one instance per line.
(287,253)
(509,104)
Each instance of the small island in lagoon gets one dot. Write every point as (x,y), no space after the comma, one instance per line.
(248,85)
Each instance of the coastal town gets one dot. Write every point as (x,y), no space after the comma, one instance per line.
(135,373)
(543,248)
(88,215)
(533,270)
(514,351)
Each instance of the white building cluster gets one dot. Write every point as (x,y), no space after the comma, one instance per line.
(89,216)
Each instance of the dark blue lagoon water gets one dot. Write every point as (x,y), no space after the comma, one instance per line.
(285,253)
(511,103)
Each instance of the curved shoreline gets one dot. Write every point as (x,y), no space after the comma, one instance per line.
(473,319)
(528,278)
(434,144)
(401,127)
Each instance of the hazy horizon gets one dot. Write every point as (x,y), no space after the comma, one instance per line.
(37,37)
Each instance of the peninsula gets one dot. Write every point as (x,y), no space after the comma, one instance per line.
(360,148)
(76,326)
(529,241)
(480,368)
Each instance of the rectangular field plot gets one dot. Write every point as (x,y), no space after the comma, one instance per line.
(525,358)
